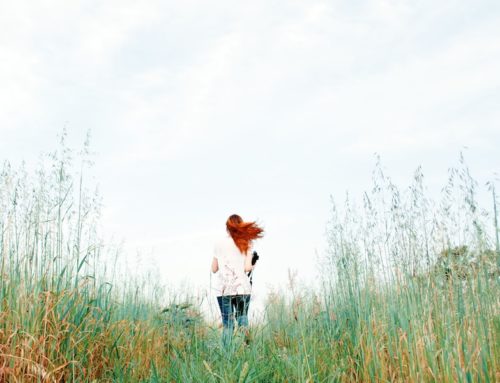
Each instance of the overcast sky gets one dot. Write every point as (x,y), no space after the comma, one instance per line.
(263,108)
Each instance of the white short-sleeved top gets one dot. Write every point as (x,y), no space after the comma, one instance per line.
(232,279)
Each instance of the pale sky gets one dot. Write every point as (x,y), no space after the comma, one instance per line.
(199,110)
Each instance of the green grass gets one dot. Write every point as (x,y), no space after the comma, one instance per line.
(402,299)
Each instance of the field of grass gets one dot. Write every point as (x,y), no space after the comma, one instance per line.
(410,293)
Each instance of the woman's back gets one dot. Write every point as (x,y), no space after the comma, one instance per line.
(232,277)
(232,257)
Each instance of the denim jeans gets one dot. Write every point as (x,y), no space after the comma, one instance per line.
(233,307)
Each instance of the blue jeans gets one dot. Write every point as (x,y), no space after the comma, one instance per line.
(233,307)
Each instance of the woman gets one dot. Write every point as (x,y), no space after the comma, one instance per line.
(232,259)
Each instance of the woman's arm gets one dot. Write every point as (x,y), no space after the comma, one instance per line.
(248,262)
(215,265)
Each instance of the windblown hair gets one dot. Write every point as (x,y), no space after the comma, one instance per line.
(243,233)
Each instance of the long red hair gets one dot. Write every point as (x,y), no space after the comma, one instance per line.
(243,233)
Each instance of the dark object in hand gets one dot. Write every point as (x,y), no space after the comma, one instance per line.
(255,258)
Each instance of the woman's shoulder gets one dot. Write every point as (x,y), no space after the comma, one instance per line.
(224,244)
(223,241)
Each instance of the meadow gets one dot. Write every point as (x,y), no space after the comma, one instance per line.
(409,293)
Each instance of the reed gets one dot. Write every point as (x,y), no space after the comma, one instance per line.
(410,293)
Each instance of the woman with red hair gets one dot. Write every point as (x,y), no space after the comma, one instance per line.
(232,260)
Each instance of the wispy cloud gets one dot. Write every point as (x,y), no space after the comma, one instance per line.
(199,109)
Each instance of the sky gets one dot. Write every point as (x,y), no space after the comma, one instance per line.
(199,110)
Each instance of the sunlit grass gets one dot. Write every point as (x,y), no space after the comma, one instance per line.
(402,298)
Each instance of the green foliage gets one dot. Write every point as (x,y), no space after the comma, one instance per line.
(382,314)
(181,315)
(462,263)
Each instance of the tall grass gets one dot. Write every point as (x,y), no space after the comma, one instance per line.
(65,314)
(415,283)
(410,293)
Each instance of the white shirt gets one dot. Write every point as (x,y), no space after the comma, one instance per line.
(231,275)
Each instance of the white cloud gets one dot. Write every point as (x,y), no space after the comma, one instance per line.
(287,101)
